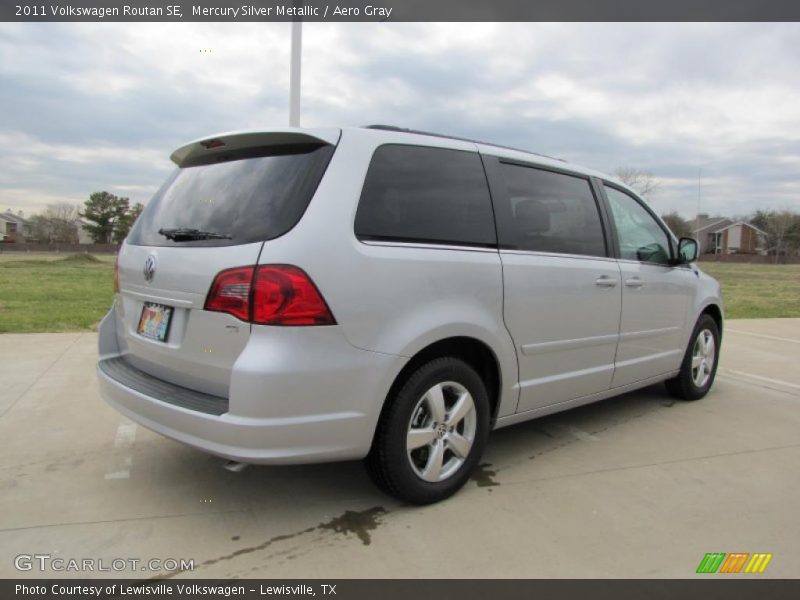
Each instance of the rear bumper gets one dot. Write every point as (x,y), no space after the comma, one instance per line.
(297,395)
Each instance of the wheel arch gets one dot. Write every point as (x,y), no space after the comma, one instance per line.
(715,312)
(476,353)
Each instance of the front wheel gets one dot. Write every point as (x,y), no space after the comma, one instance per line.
(699,366)
(431,433)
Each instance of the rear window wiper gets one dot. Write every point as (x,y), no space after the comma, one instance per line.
(185,234)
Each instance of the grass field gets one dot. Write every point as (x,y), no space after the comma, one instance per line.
(752,291)
(53,292)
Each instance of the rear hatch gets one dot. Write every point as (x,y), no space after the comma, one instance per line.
(229,195)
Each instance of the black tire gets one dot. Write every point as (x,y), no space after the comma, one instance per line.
(389,462)
(683,386)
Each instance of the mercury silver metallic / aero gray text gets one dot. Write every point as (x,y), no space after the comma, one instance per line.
(307,295)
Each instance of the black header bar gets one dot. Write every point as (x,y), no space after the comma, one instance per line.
(710,588)
(398,10)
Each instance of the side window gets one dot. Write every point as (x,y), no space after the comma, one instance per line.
(544,211)
(640,236)
(433,195)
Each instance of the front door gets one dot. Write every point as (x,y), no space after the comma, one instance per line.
(655,294)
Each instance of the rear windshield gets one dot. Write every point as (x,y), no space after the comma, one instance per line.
(246,199)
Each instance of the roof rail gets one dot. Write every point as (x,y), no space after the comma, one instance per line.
(454,137)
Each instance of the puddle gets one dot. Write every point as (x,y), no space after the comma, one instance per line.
(484,476)
(359,523)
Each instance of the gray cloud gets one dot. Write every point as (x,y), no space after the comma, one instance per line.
(101,106)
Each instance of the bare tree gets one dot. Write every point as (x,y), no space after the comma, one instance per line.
(782,228)
(643,182)
(55,224)
(63,211)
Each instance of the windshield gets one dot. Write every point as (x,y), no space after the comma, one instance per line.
(237,201)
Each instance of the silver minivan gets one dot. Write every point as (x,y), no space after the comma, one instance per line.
(308,295)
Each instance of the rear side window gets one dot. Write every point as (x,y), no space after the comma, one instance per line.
(544,211)
(253,197)
(431,195)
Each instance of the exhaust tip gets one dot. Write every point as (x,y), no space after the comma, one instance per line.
(235,467)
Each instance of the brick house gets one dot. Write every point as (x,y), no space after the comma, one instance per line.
(719,235)
(740,238)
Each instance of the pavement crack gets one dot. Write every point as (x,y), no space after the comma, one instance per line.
(39,377)
(726,375)
(653,464)
(121,520)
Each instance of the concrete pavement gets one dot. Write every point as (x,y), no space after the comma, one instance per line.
(637,486)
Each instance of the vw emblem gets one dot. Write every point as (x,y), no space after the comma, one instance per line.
(150,268)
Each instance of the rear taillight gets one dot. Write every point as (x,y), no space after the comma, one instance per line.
(285,295)
(269,295)
(230,292)
(116,274)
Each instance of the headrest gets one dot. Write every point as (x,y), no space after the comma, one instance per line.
(532,216)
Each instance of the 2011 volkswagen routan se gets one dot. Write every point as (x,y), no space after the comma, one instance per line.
(306,295)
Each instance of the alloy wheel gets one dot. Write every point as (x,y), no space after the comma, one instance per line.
(441,431)
(703,356)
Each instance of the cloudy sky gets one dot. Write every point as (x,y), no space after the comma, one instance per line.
(87,107)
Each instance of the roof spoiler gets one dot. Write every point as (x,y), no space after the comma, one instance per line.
(201,150)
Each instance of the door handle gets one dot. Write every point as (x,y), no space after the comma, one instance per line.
(606,281)
(634,282)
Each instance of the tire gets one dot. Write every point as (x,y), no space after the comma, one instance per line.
(690,383)
(421,429)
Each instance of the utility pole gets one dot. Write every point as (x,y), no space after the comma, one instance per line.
(294,73)
(699,196)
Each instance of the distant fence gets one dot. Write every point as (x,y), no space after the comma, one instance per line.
(750,258)
(88,248)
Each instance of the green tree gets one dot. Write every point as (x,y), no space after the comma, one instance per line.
(104,210)
(125,222)
(679,226)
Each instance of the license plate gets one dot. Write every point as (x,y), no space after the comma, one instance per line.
(154,322)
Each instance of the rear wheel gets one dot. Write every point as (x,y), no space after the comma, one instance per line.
(699,366)
(431,433)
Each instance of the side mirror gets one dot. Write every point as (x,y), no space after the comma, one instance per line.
(687,251)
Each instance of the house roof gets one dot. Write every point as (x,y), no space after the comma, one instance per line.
(744,223)
(706,222)
(11,217)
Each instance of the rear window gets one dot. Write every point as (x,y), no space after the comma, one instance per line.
(253,198)
(431,195)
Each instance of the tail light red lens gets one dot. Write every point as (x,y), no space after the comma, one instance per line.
(285,295)
(269,295)
(230,292)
